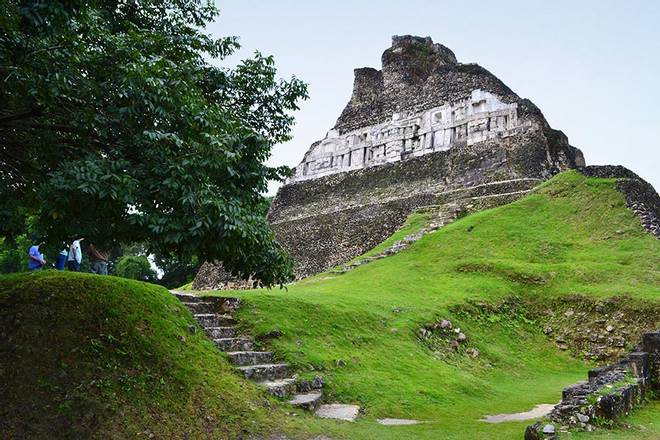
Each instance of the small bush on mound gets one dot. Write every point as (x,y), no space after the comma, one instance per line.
(83,356)
(135,267)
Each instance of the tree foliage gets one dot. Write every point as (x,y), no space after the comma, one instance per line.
(14,258)
(115,126)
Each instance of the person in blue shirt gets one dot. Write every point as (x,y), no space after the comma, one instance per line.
(36,259)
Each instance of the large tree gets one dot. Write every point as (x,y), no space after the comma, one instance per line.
(114,125)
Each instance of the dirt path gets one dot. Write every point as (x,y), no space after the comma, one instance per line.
(538,411)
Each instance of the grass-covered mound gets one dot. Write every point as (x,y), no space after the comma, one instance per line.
(85,356)
(572,239)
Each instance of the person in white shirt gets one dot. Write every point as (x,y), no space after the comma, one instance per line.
(75,256)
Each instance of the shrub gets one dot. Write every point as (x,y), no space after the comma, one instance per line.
(135,267)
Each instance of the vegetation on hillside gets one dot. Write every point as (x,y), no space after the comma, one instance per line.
(115,126)
(573,235)
(135,267)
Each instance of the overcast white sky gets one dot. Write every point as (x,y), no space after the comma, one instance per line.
(592,67)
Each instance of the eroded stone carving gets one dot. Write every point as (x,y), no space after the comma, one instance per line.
(482,117)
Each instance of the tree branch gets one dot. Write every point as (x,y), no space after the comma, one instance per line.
(20,115)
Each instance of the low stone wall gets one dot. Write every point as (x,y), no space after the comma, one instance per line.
(610,392)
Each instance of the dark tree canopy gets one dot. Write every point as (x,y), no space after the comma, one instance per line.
(115,126)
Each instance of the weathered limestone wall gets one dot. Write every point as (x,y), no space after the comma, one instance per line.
(327,221)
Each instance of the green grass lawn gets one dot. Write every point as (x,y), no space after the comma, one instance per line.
(572,235)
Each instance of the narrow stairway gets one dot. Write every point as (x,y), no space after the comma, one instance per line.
(214,315)
(443,215)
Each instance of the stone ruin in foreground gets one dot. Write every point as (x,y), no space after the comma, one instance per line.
(425,130)
(611,392)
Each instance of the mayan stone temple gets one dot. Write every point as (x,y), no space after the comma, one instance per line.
(423,132)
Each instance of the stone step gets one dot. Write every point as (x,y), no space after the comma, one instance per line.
(264,372)
(202,307)
(234,344)
(280,388)
(229,304)
(225,303)
(220,332)
(492,188)
(341,411)
(188,297)
(309,401)
(214,320)
(242,358)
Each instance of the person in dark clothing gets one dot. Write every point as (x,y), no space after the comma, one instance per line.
(60,263)
(98,260)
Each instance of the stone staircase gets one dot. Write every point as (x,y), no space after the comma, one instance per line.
(214,315)
(442,215)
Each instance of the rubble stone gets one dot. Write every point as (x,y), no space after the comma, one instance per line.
(472,352)
(213,276)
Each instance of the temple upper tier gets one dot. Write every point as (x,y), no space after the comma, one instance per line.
(424,101)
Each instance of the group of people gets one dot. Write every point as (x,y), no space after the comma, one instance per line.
(71,258)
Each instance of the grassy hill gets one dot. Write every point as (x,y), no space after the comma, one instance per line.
(572,247)
(84,356)
(99,357)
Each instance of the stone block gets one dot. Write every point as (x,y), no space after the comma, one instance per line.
(594,373)
(639,364)
(651,342)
